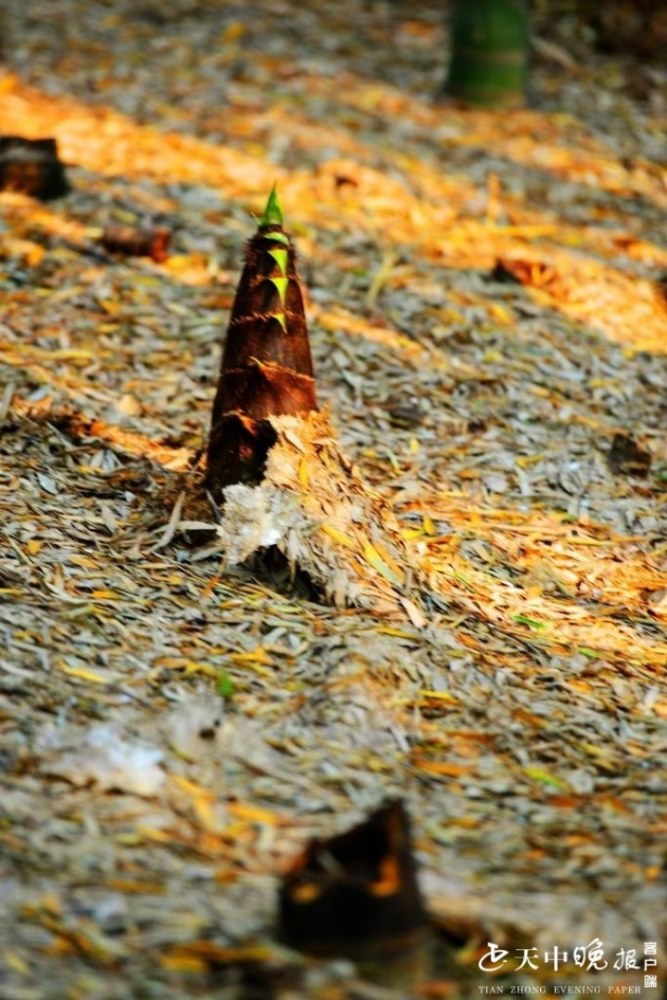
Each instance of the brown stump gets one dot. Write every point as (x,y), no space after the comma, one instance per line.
(266,368)
(356,895)
(131,241)
(32,166)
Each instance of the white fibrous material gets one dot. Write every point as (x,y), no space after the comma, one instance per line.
(253,518)
(314,507)
(103,754)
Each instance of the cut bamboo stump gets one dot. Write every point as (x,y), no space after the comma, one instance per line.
(356,896)
(32,167)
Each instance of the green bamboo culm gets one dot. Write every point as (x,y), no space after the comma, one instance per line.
(489,40)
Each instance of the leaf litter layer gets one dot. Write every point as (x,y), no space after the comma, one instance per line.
(525,720)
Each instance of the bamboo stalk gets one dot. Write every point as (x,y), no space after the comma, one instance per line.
(489,62)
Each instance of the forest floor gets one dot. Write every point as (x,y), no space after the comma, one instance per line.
(524,720)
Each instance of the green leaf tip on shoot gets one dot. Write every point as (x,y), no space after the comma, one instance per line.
(273,213)
(225,686)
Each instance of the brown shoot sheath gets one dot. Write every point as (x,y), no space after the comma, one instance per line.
(266,368)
